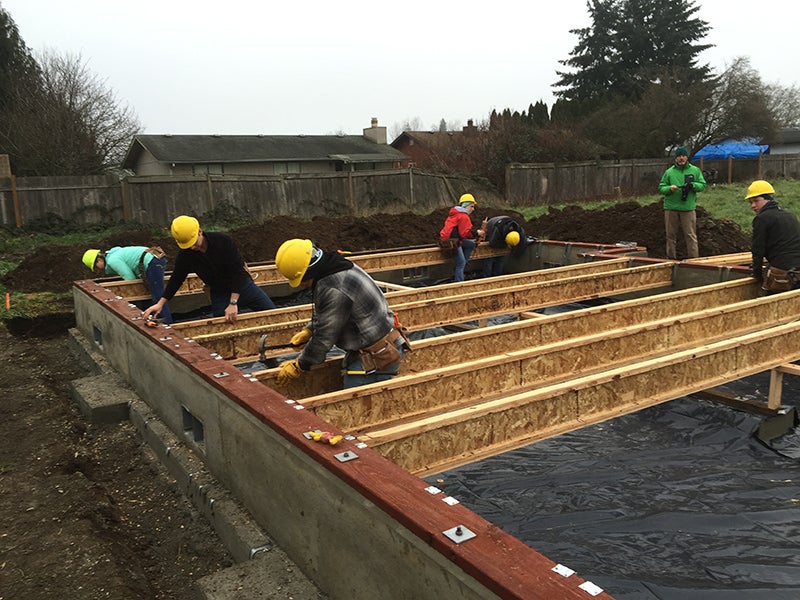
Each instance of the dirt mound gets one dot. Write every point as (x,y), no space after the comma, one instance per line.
(55,268)
(630,222)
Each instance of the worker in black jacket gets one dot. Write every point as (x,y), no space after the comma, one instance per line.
(215,259)
(776,238)
(502,232)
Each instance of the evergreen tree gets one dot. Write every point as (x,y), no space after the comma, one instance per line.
(537,114)
(16,61)
(630,45)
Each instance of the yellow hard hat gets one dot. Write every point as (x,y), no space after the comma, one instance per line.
(185,231)
(89,257)
(467,198)
(512,238)
(759,188)
(293,258)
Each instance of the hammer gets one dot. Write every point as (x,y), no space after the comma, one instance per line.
(262,348)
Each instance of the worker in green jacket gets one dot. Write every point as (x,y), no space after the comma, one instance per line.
(679,186)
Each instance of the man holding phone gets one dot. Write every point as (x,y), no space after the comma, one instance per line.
(679,185)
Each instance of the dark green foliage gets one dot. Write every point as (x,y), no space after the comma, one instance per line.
(631,45)
(225,215)
(15,59)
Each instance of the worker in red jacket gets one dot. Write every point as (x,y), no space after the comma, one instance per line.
(459,234)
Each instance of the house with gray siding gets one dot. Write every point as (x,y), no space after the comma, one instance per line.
(786,142)
(261,154)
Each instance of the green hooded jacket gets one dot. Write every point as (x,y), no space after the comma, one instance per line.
(675,175)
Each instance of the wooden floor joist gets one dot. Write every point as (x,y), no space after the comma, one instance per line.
(201,327)
(738,258)
(445,440)
(514,371)
(453,305)
(267,273)
(436,352)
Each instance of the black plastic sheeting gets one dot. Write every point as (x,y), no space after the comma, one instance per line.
(675,502)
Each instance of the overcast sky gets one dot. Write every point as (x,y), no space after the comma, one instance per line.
(313,67)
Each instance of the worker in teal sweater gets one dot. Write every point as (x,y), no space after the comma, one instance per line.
(133,262)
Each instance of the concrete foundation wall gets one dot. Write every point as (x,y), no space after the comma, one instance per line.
(361,528)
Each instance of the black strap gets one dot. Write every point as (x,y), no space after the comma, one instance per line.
(141,270)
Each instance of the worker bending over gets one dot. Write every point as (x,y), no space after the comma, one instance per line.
(502,232)
(349,311)
(133,262)
(215,259)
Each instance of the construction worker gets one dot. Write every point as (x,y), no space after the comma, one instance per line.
(350,311)
(132,262)
(776,238)
(502,232)
(214,257)
(458,234)
(679,186)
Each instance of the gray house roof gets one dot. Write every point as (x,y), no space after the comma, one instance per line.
(790,135)
(198,149)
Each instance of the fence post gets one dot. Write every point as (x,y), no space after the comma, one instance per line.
(350,200)
(730,168)
(15,200)
(126,211)
(210,191)
(411,184)
(759,164)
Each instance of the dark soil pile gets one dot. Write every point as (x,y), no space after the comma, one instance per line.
(55,268)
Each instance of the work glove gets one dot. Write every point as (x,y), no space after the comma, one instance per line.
(301,337)
(290,369)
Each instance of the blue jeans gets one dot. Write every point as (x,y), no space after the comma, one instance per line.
(355,380)
(461,258)
(493,266)
(154,276)
(250,296)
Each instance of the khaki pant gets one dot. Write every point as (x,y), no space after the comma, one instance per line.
(681,219)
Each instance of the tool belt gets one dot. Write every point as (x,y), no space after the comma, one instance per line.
(449,246)
(779,280)
(157,252)
(382,354)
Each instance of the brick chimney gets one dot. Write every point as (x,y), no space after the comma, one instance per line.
(375,133)
(470,129)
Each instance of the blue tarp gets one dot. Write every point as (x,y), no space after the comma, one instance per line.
(733,149)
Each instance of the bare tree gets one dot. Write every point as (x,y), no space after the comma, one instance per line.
(68,122)
(784,103)
(414,124)
(738,106)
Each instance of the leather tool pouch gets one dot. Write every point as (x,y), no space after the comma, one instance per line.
(777,280)
(382,354)
(448,246)
(156,251)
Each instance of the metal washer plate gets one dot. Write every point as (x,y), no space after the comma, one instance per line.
(459,534)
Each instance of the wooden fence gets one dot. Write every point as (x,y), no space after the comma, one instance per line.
(549,183)
(108,199)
